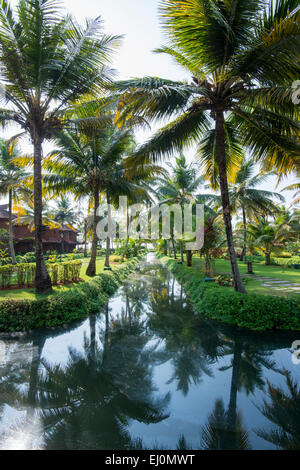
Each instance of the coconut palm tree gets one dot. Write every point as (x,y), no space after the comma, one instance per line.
(26,216)
(64,213)
(12,180)
(48,62)
(181,187)
(271,236)
(247,198)
(93,165)
(243,57)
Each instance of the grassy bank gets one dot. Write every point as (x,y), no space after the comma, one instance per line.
(63,306)
(253,311)
(255,286)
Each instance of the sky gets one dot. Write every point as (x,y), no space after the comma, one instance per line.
(138,22)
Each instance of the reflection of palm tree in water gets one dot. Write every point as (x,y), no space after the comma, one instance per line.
(284,411)
(91,402)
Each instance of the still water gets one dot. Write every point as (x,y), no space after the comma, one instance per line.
(147,372)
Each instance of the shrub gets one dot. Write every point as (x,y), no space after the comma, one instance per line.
(66,307)
(252,311)
(24,273)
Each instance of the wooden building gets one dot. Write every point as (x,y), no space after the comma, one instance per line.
(62,239)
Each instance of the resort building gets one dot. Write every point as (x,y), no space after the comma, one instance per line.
(63,239)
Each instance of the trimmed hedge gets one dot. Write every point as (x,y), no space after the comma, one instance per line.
(59,309)
(252,311)
(23,274)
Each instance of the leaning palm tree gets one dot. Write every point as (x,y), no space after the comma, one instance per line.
(12,180)
(247,198)
(243,57)
(47,63)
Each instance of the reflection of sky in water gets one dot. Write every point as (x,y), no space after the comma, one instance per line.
(21,428)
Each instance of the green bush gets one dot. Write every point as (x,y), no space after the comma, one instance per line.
(286,262)
(59,309)
(252,311)
(23,274)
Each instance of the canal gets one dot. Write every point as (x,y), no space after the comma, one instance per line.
(148,373)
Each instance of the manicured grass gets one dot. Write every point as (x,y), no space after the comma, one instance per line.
(283,274)
(29,294)
(255,286)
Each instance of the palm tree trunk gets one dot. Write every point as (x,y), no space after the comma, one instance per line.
(189,258)
(42,279)
(91,269)
(268,258)
(244,250)
(207,265)
(107,265)
(173,241)
(237,281)
(85,239)
(181,251)
(10,229)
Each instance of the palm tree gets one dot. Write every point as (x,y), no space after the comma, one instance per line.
(64,215)
(246,197)
(243,57)
(93,165)
(12,180)
(26,216)
(47,63)
(181,187)
(269,236)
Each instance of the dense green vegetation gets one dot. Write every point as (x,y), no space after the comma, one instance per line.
(253,311)
(237,111)
(65,307)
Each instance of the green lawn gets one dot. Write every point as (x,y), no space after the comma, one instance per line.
(255,286)
(30,293)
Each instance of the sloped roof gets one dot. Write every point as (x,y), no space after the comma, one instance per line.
(4,212)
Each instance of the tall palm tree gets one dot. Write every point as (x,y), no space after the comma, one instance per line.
(12,180)
(47,63)
(245,197)
(181,187)
(243,56)
(93,165)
